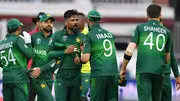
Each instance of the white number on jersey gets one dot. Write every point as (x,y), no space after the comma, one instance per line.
(108,50)
(8,59)
(149,41)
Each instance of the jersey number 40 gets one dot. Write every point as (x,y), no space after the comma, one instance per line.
(149,41)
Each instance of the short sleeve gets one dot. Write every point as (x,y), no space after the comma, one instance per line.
(135,36)
(87,44)
(168,44)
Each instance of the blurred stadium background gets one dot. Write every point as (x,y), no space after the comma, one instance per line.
(119,16)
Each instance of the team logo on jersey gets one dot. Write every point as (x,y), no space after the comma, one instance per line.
(38,41)
(43,85)
(154,24)
(86,80)
(64,38)
(50,41)
(99,30)
(78,40)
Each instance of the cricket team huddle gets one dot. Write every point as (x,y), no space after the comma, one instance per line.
(79,57)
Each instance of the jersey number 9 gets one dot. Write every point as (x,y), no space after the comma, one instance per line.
(107,47)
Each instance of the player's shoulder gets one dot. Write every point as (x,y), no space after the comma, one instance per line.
(2,41)
(103,30)
(19,38)
(142,25)
(165,29)
(58,33)
(85,31)
(36,34)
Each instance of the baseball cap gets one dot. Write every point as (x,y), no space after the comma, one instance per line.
(94,16)
(46,17)
(14,23)
(38,17)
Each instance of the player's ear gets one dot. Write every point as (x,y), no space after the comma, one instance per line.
(19,29)
(160,17)
(147,16)
(65,22)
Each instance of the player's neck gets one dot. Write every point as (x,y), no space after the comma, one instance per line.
(69,31)
(154,19)
(38,28)
(46,34)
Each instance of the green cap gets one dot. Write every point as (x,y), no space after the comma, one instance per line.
(46,17)
(94,16)
(14,23)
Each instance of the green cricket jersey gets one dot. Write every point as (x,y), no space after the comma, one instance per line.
(100,44)
(40,56)
(60,41)
(172,65)
(13,59)
(153,41)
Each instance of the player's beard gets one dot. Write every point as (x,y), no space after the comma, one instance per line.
(47,29)
(75,29)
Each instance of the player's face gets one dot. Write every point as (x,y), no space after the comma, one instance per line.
(72,23)
(81,22)
(47,25)
(38,23)
(88,22)
(19,30)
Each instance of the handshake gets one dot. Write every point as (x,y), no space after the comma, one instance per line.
(26,36)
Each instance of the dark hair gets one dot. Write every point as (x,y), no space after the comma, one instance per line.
(153,11)
(81,14)
(11,30)
(70,13)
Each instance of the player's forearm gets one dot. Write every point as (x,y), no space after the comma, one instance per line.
(28,51)
(174,67)
(48,65)
(85,58)
(128,54)
(56,54)
(124,64)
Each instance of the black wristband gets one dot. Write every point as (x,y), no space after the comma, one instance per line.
(127,57)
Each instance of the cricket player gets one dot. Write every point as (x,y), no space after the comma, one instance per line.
(167,88)
(15,51)
(99,49)
(153,43)
(85,71)
(42,84)
(68,77)
(36,21)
